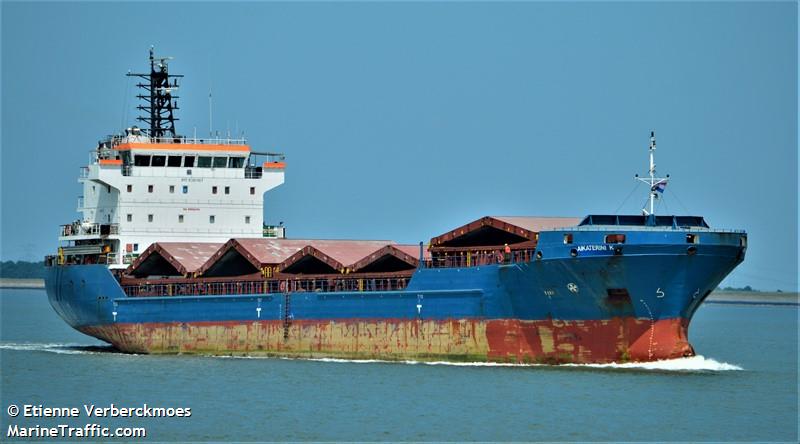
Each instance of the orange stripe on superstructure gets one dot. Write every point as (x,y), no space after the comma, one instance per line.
(181,147)
(274,165)
(110,161)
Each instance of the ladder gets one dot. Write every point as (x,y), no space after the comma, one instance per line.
(287,313)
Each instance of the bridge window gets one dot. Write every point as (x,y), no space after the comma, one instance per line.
(159,161)
(204,162)
(174,161)
(235,162)
(220,162)
(615,239)
(141,160)
(188,161)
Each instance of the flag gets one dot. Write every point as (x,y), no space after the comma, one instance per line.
(659,186)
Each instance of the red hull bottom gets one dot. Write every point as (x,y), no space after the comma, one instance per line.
(547,341)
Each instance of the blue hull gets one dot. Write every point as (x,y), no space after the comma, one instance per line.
(654,277)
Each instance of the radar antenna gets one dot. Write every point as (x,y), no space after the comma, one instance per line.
(657,184)
(158,102)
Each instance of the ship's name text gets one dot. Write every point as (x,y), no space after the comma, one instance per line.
(581,248)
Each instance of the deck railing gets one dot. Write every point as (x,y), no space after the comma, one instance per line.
(80,259)
(477,259)
(141,138)
(267,286)
(93,229)
(333,284)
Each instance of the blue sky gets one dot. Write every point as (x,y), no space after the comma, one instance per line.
(403,120)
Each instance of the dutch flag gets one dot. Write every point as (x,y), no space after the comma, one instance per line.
(659,186)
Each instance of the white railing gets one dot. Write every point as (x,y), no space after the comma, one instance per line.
(622,228)
(88,229)
(116,140)
(271,231)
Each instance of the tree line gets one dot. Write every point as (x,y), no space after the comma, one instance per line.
(21,270)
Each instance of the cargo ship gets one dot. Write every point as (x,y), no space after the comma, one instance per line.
(171,255)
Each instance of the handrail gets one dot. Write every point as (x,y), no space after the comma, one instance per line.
(93,229)
(273,286)
(478,259)
(120,139)
(80,259)
(624,228)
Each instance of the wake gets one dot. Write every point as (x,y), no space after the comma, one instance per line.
(62,349)
(696,363)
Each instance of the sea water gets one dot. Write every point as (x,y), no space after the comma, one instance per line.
(743,385)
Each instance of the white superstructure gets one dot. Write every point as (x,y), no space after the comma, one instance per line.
(152,185)
(139,190)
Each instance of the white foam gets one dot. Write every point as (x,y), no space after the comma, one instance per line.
(696,363)
(64,349)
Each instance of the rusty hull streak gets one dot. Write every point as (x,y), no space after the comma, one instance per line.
(473,340)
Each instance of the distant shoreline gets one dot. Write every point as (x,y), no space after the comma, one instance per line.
(753,298)
(21,283)
(718,297)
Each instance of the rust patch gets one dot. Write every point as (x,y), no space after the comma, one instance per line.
(618,339)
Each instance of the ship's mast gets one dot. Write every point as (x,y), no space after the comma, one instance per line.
(657,184)
(158,104)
